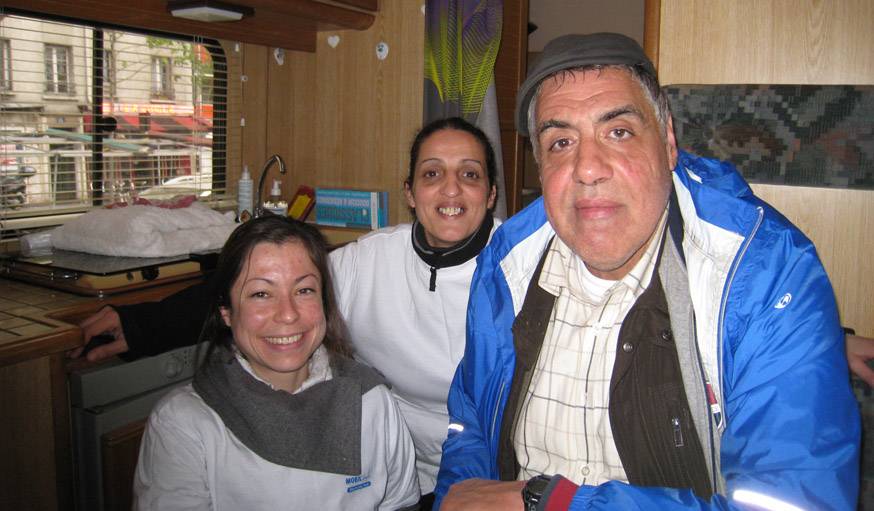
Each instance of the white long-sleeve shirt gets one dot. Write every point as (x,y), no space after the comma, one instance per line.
(189,460)
(413,336)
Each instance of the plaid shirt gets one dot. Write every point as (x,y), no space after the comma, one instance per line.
(564,425)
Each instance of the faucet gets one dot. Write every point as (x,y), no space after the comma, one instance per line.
(259,208)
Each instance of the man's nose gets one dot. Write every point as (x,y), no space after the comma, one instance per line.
(591,166)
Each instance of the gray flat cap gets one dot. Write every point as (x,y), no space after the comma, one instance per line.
(577,50)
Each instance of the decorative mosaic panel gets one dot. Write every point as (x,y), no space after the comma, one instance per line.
(809,135)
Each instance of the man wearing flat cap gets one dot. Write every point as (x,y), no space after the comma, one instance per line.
(649,334)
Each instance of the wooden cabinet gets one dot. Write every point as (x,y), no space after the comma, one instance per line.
(35,435)
(120,449)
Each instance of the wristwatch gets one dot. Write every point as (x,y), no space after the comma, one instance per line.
(533,491)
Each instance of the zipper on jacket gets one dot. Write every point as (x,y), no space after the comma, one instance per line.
(495,411)
(678,432)
(708,411)
(432,284)
(732,272)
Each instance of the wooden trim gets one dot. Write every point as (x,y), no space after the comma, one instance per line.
(327,16)
(510,69)
(370,5)
(651,29)
(63,434)
(64,338)
(290,24)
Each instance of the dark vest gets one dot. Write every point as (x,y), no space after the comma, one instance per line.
(649,413)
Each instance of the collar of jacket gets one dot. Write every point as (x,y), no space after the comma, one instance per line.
(459,253)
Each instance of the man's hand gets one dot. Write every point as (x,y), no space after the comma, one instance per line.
(104,321)
(859,351)
(484,495)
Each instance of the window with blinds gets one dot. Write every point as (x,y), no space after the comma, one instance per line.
(91,116)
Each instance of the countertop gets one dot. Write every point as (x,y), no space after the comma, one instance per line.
(37,321)
(26,328)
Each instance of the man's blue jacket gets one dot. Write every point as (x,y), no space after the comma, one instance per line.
(782,431)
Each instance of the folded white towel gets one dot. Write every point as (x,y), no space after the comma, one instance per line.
(145,231)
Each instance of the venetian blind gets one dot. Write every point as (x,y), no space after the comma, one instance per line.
(91,116)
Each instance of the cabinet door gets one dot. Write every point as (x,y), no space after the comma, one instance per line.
(27,440)
(120,450)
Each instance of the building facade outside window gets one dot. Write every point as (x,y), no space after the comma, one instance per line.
(156,129)
(58,77)
(5,65)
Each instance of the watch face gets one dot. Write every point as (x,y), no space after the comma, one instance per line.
(533,491)
(538,484)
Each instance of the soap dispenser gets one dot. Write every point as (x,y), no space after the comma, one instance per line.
(275,204)
(276,191)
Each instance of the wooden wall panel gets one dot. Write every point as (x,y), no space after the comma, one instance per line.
(253,129)
(368,110)
(788,41)
(766,41)
(839,222)
(339,117)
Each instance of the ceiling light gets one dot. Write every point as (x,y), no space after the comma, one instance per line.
(208,10)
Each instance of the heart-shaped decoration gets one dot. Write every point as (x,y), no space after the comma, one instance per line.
(333,41)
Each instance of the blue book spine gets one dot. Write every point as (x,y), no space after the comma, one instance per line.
(382,216)
(351,208)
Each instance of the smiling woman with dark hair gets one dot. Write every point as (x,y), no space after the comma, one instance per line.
(275,415)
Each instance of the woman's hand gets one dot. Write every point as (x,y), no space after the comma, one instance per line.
(104,321)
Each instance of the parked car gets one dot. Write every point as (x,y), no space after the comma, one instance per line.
(180,185)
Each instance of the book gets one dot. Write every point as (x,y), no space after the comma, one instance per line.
(343,207)
(302,203)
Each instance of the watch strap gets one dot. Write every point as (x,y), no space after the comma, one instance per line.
(558,494)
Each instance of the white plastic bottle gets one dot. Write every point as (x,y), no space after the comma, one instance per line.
(244,195)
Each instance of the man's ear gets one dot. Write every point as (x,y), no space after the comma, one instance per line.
(671,144)
(226,315)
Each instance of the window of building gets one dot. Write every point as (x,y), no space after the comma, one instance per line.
(63,173)
(107,68)
(5,65)
(83,128)
(57,59)
(162,77)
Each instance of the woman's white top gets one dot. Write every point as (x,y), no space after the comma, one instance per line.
(190,460)
(413,336)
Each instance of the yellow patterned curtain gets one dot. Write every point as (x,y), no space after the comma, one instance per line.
(462,38)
